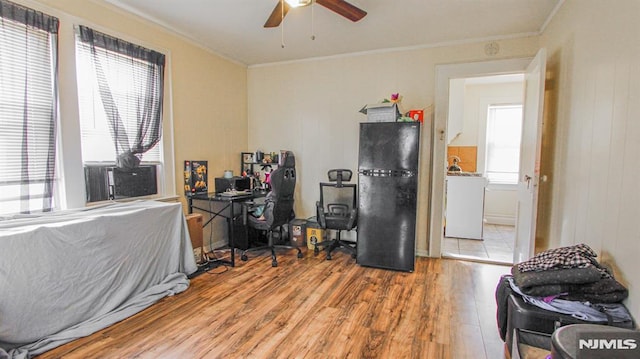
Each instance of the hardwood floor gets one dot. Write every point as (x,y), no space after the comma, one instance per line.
(314,308)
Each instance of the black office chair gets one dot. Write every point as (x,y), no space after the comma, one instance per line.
(278,208)
(337,210)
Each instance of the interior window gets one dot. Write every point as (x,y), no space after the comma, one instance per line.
(504,134)
(28,108)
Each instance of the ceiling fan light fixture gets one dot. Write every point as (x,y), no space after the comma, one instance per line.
(298,3)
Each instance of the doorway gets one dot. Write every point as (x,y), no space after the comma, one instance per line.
(484,126)
(444,73)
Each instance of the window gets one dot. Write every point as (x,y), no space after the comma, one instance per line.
(120,90)
(504,133)
(28,109)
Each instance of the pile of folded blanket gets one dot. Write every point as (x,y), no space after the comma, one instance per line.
(570,273)
(566,280)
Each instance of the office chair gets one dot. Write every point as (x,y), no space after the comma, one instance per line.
(337,210)
(278,208)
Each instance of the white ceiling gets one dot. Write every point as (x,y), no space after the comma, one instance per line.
(234,28)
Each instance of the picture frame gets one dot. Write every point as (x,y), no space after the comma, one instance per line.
(195,177)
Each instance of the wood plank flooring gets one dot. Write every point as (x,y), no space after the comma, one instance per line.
(313,308)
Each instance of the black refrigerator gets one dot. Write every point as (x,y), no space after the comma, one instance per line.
(387,192)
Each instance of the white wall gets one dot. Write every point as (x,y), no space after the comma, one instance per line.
(591,138)
(311,107)
(455,122)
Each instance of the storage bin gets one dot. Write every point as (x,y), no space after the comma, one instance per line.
(382,112)
(194,225)
(315,234)
(417,115)
(298,230)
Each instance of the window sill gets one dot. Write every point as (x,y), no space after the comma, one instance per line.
(167,198)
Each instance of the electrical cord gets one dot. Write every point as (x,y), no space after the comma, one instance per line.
(212,272)
(210,225)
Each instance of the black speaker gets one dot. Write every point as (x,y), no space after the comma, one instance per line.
(240,235)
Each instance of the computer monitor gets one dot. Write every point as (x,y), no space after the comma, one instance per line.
(238,183)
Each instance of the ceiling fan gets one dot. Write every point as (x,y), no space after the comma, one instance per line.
(340,7)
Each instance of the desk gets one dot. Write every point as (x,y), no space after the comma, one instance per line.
(229,203)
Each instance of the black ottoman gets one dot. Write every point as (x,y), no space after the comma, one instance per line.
(521,315)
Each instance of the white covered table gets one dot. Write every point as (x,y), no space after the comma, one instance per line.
(68,274)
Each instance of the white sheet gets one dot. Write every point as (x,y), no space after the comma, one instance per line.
(66,275)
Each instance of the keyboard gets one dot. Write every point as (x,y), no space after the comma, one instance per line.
(235,193)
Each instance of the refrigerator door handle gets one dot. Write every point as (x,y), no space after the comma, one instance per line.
(387,173)
(376,173)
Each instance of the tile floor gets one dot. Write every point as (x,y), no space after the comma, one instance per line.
(496,246)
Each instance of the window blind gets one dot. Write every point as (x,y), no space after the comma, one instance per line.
(28,109)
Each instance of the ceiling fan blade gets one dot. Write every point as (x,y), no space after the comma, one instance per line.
(277,14)
(343,8)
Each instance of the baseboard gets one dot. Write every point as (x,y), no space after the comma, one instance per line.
(499,219)
(422,253)
(218,244)
(476,259)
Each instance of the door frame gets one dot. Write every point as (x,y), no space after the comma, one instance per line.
(444,73)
